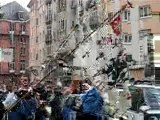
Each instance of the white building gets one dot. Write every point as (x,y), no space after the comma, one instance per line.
(57,27)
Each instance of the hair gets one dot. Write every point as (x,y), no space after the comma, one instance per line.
(24,75)
(87,80)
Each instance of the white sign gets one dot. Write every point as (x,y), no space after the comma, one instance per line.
(6,54)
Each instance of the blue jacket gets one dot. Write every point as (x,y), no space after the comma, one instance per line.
(92,102)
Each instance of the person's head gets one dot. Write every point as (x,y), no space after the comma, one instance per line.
(88,81)
(9,87)
(86,84)
(57,91)
(24,80)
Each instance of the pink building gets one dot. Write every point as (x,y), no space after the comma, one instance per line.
(14,34)
(140,25)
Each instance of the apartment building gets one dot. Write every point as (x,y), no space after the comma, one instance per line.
(139,26)
(37,35)
(14,38)
(51,22)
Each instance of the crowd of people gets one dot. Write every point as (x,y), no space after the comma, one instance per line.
(80,100)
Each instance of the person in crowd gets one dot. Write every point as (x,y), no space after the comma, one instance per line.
(92,101)
(87,104)
(57,105)
(26,106)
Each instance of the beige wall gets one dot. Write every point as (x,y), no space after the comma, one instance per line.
(138,74)
(149,22)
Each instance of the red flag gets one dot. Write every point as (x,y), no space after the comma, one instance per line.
(116,25)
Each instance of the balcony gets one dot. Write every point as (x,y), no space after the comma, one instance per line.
(73,4)
(48,2)
(48,18)
(94,21)
(91,4)
(48,39)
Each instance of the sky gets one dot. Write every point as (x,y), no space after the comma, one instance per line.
(24,3)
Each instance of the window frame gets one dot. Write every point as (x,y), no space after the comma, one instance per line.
(22,65)
(12,65)
(126,15)
(143,33)
(142,11)
(127,38)
(23,51)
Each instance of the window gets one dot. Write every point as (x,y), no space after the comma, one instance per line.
(110,15)
(143,33)
(14,53)
(36,21)
(49,12)
(37,39)
(23,27)
(21,15)
(150,47)
(54,35)
(23,40)
(62,25)
(145,11)
(141,48)
(80,2)
(141,51)
(23,65)
(126,15)
(128,58)
(61,5)
(23,51)
(94,20)
(49,49)
(111,0)
(76,40)
(49,31)
(37,56)
(72,26)
(127,38)
(12,66)
(12,26)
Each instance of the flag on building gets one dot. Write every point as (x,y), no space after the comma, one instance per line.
(116,25)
